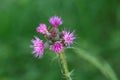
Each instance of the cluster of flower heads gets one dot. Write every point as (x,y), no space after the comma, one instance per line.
(55,40)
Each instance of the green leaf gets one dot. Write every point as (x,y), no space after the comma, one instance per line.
(102,65)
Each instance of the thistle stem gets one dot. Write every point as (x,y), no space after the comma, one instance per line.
(64,66)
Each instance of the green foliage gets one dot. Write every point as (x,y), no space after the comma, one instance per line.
(102,65)
(97,26)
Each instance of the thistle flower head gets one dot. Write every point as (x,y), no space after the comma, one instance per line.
(55,40)
(68,37)
(55,21)
(57,47)
(38,47)
(42,29)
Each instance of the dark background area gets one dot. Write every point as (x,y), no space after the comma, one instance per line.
(96,22)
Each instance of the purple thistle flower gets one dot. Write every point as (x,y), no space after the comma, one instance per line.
(38,47)
(55,40)
(42,29)
(68,37)
(57,47)
(55,21)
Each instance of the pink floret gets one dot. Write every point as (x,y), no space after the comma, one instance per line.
(42,28)
(68,37)
(55,21)
(57,47)
(38,47)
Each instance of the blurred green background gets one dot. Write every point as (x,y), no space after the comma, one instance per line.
(96,22)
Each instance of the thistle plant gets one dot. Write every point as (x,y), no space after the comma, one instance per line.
(56,41)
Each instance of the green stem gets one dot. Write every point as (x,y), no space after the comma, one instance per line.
(64,66)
